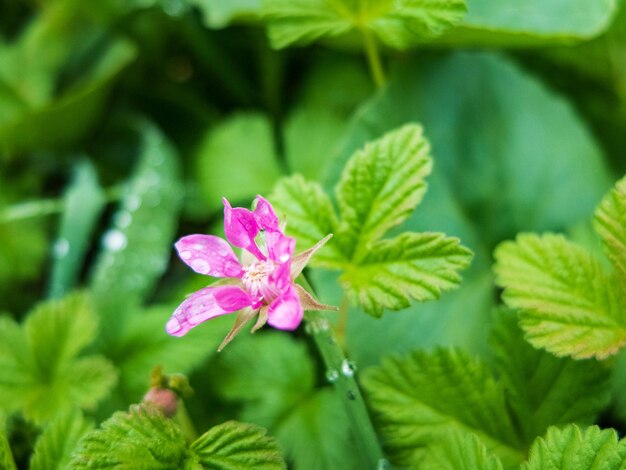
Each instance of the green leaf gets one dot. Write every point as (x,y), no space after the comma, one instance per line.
(218,14)
(569,305)
(418,399)
(380,187)
(272,379)
(236,160)
(6,457)
(574,448)
(460,451)
(141,438)
(44,378)
(530,22)
(54,447)
(236,445)
(309,215)
(137,247)
(544,390)
(398,24)
(84,202)
(610,223)
(413,265)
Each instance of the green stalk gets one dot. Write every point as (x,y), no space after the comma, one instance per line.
(373,58)
(341,373)
(185,423)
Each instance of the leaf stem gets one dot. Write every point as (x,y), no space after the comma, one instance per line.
(373,58)
(185,423)
(341,373)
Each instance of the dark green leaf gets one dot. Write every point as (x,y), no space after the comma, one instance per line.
(460,451)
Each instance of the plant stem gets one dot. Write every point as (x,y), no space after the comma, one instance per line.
(341,373)
(373,58)
(185,423)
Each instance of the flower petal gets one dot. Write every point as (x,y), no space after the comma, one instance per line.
(232,298)
(195,309)
(209,255)
(285,313)
(265,214)
(280,248)
(241,228)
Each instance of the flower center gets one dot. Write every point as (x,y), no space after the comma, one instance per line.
(256,281)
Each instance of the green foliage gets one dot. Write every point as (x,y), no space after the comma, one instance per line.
(272,378)
(6,457)
(54,447)
(610,223)
(460,451)
(143,438)
(218,14)
(236,445)
(398,24)
(418,399)
(380,187)
(84,202)
(137,247)
(574,448)
(544,390)
(44,374)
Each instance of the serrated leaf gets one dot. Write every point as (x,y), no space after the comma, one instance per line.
(141,438)
(84,201)
(234,445)
(309,215)
(460,451)
(137,247)
(569,305)
(411,266)
(578,449)
(418,399)
(380,187)
(544,390)
(43,377)
(53,449)
(398,24)
(610,223)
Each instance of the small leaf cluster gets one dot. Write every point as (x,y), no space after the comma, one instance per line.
(379,188)
(568,302)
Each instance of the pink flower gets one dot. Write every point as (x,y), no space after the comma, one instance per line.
(264,285)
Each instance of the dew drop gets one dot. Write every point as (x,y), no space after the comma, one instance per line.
(351,395)
(61,248)
(114,240)
(348,368)
(332,375)
(201,266)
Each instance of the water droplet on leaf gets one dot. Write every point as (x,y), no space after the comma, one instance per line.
(114,240)
(348,368)
(332,375)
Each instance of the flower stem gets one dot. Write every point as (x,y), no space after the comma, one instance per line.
(185,423)
(373,58)
(341,373)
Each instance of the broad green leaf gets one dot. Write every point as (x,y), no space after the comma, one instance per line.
(53,449)
(309,215)
(84,201)
(530,22)
(460,451)
(578,449)
(398,24)
(136,248)
(410,266)
(272,379)
(610,223)
(218,14)
(568,304)
(141,438)
(237,160)
(237,445)
(418,399)
(43,375)
(544,390)
(380,187)
(6,457)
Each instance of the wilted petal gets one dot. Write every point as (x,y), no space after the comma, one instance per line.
(280,247)
(210,255)
(242,318)
(241,228)
(285,313)
(232,298)
(300,260)
(309,302)
(265,214)
(197,308)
